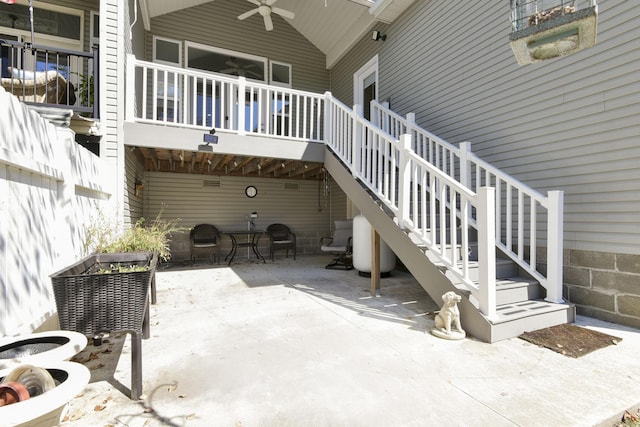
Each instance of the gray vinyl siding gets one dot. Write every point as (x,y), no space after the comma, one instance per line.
(221,201)
(215,24)
(568,124)
(133,205)
(342,72)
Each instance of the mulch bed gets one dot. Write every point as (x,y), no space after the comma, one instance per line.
(570,340)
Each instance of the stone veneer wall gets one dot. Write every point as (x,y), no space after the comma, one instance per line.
(604,285)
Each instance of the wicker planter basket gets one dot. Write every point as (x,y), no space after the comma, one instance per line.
(90,302)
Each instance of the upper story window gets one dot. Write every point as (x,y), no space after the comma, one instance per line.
(225,61)
(167,51)
(48,20)
(280,74)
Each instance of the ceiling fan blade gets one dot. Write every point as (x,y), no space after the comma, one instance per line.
(256,2)
(268,24)
(247,14)
(270,2)
(283,13)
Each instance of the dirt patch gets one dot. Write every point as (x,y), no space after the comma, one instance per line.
(570,340)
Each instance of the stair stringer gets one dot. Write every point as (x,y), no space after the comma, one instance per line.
(430,277)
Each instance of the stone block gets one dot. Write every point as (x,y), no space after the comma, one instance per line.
(590,297)
(628,263)
(601,260)
(616,281)
(629,305)
(576,276)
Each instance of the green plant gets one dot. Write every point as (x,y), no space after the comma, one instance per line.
(102,237)
(85,89)
(120,268)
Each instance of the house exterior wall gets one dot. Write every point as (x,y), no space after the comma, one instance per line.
(193,199)
(215,24)
(50,190)
(566,124)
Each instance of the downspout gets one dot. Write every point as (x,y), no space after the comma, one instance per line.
(135,19)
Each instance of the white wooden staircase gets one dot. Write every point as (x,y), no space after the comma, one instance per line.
(502,297)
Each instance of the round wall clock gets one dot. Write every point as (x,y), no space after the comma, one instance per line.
(251,191)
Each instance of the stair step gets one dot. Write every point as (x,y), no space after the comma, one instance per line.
(516,318)
(511,290)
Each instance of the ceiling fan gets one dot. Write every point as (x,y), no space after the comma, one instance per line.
(265,8)
(238,69)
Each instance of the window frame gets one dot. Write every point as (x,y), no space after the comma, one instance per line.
(227,52)
(280,84)
(168,40)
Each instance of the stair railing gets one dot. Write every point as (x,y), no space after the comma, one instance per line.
(522,214)
(423,198)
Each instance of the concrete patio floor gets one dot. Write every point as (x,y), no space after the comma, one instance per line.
(290,343)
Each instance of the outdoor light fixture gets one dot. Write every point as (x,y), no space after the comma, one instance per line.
(377,35)
(209,138)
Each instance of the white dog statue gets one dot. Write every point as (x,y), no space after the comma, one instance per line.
(448,318)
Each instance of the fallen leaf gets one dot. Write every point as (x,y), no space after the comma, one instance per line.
(559,345)
(98,408)
(191,416)
(107,351)
(149,410)
(182,396)
(172,387)
(93,356)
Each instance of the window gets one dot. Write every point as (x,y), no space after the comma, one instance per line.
(47,20)
(95,29)
(280,74)
(167,51)
(226,62)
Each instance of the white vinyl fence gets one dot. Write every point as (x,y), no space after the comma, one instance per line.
(50,190)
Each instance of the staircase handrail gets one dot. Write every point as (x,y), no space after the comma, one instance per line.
(473,172)
(381,162)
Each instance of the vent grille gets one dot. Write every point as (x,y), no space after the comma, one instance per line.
(293,186)
(211,183)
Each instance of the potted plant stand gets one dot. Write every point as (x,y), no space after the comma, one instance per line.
(109,292)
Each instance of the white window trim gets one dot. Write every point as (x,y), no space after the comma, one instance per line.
(371,67)
(165,39)
(228,52)
(280,84)
(93,40)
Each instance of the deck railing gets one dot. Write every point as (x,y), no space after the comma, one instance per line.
(42,75)
(199,99)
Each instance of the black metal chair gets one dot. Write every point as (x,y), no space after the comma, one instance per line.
(339,245)
(204,240)
(280,238)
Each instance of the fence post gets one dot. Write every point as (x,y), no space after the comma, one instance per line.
(486,212)
(465,171)
(404,181)
(356,141)
(555,239)
(242,82)
(328,123)
(130,100)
